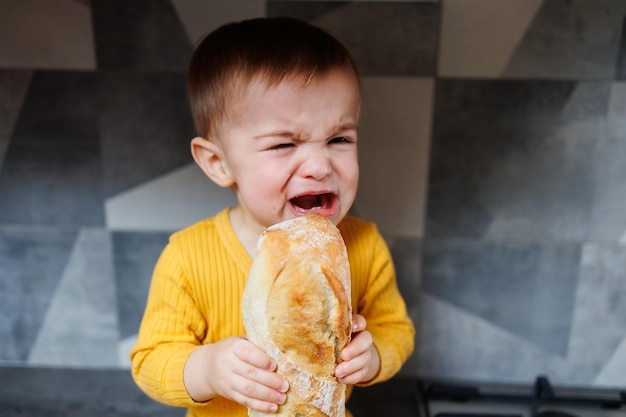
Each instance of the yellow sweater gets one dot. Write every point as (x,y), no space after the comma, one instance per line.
(195,298)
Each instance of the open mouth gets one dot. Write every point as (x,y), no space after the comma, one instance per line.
(314,202)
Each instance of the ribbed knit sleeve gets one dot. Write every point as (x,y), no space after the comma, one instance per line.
(171,329)
(194,299)
(376,297)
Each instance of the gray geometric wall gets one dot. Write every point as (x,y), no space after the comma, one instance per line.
(493,154)
(524,261)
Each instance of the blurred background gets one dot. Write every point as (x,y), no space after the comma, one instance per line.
(493,159)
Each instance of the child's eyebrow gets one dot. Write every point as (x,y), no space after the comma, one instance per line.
(350,125)
(278,133)
(296,134)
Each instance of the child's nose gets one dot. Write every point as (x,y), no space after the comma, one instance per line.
(317,166)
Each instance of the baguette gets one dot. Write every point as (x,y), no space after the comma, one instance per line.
(296,307)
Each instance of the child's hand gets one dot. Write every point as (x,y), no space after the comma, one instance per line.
(360,358)
(236,369)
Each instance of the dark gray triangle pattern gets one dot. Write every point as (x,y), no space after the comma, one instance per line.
(139,35)
(577,39)
(13,88)
(145,127)
(53,159)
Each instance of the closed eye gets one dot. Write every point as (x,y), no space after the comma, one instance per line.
(340,139)
(281,146)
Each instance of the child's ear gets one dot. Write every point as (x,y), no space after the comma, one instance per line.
(210,159)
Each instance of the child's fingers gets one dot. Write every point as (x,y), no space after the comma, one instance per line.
(358,323)
(257,377)
(261,406)
(353,371)
(259,383)
(249,353)
(360,344)
(257,395)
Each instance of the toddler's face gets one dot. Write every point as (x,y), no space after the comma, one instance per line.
(292,149)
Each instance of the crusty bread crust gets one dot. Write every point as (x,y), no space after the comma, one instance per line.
(296,307)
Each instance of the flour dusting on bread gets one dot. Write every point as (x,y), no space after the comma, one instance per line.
(296,307)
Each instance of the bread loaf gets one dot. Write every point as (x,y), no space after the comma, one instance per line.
(296,308)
